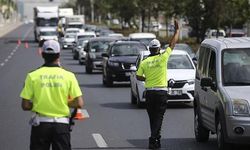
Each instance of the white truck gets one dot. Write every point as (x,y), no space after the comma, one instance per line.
(63,13)
(75,21)
(45,16)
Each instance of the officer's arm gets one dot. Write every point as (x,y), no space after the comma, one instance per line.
(26,104)
(76,102)
(140,78)
(175,36)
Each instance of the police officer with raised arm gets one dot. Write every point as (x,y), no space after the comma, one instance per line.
(153,70)
(49,92)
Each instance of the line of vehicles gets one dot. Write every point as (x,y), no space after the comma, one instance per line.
(215,79)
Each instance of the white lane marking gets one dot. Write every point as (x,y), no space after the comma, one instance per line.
(16,48)
(99,140)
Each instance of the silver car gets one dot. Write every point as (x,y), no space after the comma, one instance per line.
(222,85)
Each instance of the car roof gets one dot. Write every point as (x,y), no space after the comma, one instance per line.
(142,35)
(47,29)
(72,29)
(103,39)
(228,43)
(85,33)
(127,42)
(174,52)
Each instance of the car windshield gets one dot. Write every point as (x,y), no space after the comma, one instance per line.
(99,46)
(183,47)
(179,62)
(50,33)
(236,67)
(69,36)
(127,49)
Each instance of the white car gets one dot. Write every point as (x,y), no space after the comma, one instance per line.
(82,53)
(142,37)
(180,69)
(48,33)
(68,40)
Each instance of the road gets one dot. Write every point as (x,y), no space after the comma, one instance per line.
(113,123)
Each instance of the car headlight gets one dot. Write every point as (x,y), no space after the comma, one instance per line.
(240,107)
(112,63)
(190,82)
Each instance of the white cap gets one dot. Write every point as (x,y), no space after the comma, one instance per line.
(154,44)
(51,47)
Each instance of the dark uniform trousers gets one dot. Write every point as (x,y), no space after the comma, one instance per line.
(47,134)
(156,104)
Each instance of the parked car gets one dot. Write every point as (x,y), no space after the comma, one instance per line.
(142,37)
(181,70)
(222,85)
(182,46)
(121,55)
(68,40)
(94,49)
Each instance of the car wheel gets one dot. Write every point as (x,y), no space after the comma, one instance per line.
(133,98)
(75,56)
(109,81)
(103,79)
(201,133)
(80,62)
(222,145)
(88,69)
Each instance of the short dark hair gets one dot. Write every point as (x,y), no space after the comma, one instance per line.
(50,58)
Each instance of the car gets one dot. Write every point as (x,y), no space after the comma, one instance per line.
(121,55)
(214,33)
(79,46)
(142,37)
(80,36)
(236,33)
(47,33)
(222,85)
(68,40)
(72,30)
(94,49)
(82,53)
(184,47)
(181,70)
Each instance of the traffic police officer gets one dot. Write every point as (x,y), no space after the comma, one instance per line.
(49,92)
(153,70)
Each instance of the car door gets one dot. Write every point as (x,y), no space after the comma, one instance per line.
(204,53)
(211,94)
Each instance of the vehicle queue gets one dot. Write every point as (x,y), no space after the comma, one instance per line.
(118,58)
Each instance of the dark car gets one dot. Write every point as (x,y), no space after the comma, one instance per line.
(94,49)
(121,55)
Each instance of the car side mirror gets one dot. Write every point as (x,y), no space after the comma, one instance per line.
(194,59)
(133,68)
(105,55)
(206,82)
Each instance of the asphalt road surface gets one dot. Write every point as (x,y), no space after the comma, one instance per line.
(113,122)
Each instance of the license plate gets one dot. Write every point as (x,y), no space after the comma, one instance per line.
(175,92)
(127,73)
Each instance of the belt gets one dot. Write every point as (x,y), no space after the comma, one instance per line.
(158,88)
(53,119)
